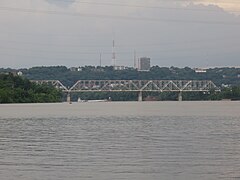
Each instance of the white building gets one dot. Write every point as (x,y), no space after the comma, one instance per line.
(199,70)
(19,73)
(119,68)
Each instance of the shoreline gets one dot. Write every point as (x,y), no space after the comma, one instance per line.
(100,101)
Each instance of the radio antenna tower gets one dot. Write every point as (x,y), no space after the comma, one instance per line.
(100,59)
(135,60)
(113,54)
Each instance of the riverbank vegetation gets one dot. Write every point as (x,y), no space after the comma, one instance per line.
(227,79)
(232,93)
(222,77)
(14,89)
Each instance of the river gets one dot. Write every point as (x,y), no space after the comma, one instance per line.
(120,141)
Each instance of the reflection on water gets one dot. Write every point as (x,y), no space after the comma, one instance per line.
(119,147)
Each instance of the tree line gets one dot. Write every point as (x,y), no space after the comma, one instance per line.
(15,89)
(220,76)
(228,79)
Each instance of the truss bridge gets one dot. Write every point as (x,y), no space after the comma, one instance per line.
(135,86)
(57,84)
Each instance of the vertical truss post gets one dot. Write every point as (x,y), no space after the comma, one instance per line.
(180,96)
(140,98)
(68,97)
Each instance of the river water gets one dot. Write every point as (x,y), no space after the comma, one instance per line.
(120,141)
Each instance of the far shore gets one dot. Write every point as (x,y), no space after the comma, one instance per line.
(96,101)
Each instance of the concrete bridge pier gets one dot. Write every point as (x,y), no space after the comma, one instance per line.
(68,97)
(180,98)
(140,98)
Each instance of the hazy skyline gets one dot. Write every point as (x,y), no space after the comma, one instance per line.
(196,33)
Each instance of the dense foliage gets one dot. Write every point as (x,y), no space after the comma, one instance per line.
(230,93)
(226,93)
(14,89)
(228,79)
(220,76)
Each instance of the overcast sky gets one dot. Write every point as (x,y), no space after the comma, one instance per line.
(195,33)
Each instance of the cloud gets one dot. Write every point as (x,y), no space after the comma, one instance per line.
(229,6)
(61,3)
(171,33)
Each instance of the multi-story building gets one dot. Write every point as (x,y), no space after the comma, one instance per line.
(144,64)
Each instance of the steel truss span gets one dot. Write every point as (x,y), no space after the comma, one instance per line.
(57,84)
(134,85)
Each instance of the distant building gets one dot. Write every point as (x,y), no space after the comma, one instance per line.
(79,69)
(73,69)
(225,85)
(119,68)
(199,70)
(144,64)
(19,73)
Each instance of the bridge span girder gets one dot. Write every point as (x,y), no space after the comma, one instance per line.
(134,85)
(143,86)
(139,86)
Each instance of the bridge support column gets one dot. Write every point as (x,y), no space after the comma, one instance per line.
(180,96)
(140,96)
(68,97)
